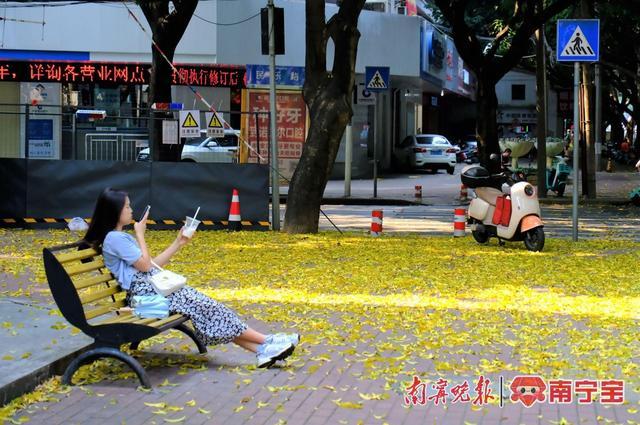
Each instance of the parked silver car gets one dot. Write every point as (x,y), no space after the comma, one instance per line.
(206,149)
(428,151)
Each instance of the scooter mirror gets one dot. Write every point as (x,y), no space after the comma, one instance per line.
(494,157)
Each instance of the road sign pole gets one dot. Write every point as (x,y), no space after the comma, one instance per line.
(275,178)
(576,143)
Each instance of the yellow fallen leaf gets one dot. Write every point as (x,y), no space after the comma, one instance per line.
(262,404)
(159,412)
(373,396)
(237,409)
(175,421)
(204,412)
(7,357)
(347,404)
(190,403)
(161,405)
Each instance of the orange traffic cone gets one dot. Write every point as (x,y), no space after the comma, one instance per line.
(235,222)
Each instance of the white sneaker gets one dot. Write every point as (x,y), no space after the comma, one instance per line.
(268,354)
(282,338)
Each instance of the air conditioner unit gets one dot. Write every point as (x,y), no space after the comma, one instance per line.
(376,5)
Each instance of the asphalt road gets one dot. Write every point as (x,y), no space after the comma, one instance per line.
(594,221)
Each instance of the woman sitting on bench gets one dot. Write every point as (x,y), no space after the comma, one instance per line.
(129,261)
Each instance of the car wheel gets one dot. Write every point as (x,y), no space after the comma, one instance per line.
(451,170)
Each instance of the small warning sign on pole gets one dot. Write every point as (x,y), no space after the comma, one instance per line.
(215,126)
(190,123)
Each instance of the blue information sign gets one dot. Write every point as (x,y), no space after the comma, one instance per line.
(578,40)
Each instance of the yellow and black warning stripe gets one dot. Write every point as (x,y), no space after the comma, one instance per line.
(59,223)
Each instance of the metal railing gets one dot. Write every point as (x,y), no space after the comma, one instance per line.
(114,146)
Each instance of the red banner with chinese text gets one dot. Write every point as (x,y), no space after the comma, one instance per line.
(118,73)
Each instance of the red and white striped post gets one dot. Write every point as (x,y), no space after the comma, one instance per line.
(459,220)
(376,222)
(464,195)
(418,191)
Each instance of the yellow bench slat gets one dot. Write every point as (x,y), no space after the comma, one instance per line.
(76,255)
(92,314)
(94,296)
(83,268)
(93,280)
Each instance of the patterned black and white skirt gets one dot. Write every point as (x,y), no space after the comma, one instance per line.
(213,322)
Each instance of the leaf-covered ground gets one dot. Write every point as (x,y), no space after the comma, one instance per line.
(388,308)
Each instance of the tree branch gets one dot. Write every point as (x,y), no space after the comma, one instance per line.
(464,37)
(515,18)
(531,22)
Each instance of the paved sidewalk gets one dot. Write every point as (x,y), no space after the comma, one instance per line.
(320,385)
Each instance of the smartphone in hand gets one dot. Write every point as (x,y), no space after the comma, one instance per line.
(146,210)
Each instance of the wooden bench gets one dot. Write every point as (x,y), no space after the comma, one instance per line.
(90,298)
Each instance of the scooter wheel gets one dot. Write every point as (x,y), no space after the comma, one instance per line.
(480,236)
(534,239)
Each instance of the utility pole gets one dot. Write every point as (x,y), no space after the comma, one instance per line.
(275,175)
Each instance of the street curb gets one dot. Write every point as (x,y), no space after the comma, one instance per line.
(361,201)
(583,201)
(31,380)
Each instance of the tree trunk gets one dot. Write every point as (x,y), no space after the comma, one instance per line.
(328,121)
(541,109)
(328,96)
(589,153)
(167,27)
(160,91)
(486,127)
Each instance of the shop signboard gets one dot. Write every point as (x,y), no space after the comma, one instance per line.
(291,125)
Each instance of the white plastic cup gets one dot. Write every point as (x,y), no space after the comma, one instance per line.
(190,227)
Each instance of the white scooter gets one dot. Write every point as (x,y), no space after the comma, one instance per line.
(503,208)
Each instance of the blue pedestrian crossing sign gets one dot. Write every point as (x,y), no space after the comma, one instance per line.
(578,40)
(376,78)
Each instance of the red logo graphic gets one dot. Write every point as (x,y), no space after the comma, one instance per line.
(528,389)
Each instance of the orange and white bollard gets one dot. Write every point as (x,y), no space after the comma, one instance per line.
(464,194)
(459,221)
(376,222)
(418,191)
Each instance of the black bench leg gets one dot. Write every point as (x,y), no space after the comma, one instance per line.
(189,332)
(101,352)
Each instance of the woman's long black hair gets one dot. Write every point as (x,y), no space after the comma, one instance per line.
(105,216)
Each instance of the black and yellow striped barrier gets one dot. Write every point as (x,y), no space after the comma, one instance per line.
(60,223)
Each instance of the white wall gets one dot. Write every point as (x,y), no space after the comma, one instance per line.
(503,88)
(107,31)
(386,39)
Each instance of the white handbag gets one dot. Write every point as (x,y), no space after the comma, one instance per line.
(166,282)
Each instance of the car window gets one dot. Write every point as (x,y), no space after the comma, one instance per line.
(212,143)
(424,140)
(441,141)
(195,142)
